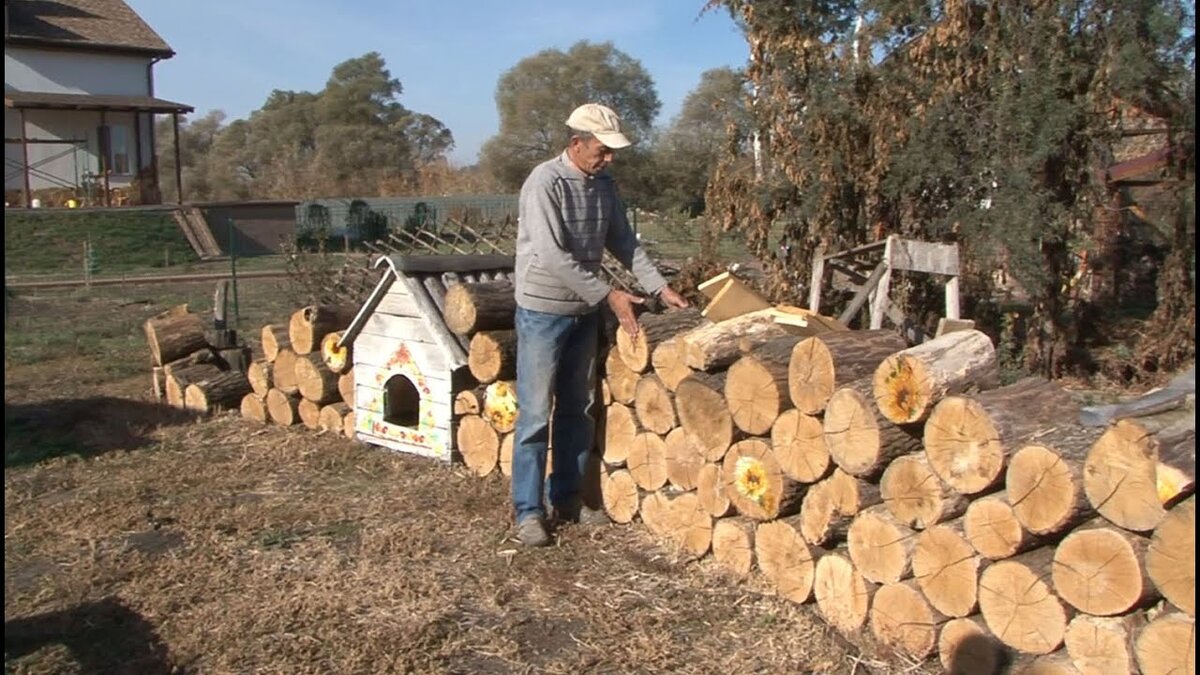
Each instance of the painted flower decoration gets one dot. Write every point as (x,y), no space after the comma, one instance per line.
(750,478)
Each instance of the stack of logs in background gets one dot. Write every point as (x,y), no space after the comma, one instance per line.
(301,377)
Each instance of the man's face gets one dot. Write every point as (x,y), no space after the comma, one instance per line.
(590,155)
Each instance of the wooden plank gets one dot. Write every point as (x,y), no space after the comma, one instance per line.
(711,287)
(811,322)
(437,324)
(947,325)
(451,263)
(398,303)
(378,295)
(858,250)
(814,284)
(864,292)
(410,448)
(952,298)
(879,297)
(921,256)
(734,299)
(381,350)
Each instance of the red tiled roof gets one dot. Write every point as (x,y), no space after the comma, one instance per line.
(83,24)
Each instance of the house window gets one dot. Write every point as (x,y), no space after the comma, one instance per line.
(116,146)
(401,402)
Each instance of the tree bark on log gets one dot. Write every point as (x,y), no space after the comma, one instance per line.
(333,417)
(785,559)
(622,381)
(916,496)
(843,595)
(274,338)
(968,440)
(1140,466)
(283,407)
(798,441)
(756,485)
(1167,646)
(861,441)
(204,356)
(314,381)
(684,455)
(655,405)
(346,387)
(308,325)
(1100,645)
(336,359)
(500,406)
(254,407)
(283,374)
(178,380)
(260,377)
(907,384)
(901,618)
(756,386)
(1020,607)
(991,526)
(654,329)
(222,391)
(880,546)
(733,545)
(965,647)
(647,461)
(173,337)
(670,362)
(710,486)
(1098,570)
(470,308)
(700,404)
(718,345)
(827,362)
(493,355)
(310,414)
(479,444)
(946,568)
(1045,480)
(1171,557)
(620,493)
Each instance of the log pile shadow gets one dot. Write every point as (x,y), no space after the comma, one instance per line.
(84,427)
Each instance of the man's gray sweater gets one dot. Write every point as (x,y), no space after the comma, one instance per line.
(566,220)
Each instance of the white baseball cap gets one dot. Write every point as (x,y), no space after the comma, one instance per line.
(601,122)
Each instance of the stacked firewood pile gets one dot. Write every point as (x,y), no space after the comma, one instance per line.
(485,413)
(904,491)
(193,365)
(302,376)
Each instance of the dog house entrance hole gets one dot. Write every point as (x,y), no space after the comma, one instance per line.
(401,402)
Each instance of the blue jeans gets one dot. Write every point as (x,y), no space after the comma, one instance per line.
(556,365)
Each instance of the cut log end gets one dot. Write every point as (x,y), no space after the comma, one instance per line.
(620,493)
(902,619)
(733,545)
(902,389)
(1099,645)
(785,560)
(1047,495)
(1120,477)
(880,546)
(655,405)
(710,485)
(916,496)
(1020,608)
(620,428)
(1171,556)
(993,529)
(755,483)
(798,441)
(254,408)
(690,527)
(492,356)
(966,648)
(684,455)
(1167,646)
(946,568)
(1099,570)
(479,444)
(963,445)
(337,359)
(647,461)
(843,595)
(500,406)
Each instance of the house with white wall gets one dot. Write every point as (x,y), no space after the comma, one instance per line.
(79,103)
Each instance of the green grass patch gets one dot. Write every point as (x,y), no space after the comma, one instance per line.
(53,241)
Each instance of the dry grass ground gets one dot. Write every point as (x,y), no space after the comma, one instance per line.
(138,540)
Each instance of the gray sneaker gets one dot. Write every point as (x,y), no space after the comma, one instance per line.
(531,531)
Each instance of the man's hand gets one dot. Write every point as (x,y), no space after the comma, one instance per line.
(622,306)
(672,298)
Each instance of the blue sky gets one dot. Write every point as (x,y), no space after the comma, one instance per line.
(447,54)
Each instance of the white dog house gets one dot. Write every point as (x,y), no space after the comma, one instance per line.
(408,366)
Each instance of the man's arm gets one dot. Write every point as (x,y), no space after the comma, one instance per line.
(625,247)
(543,219)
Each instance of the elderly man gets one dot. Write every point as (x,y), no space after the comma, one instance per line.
(569,214)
